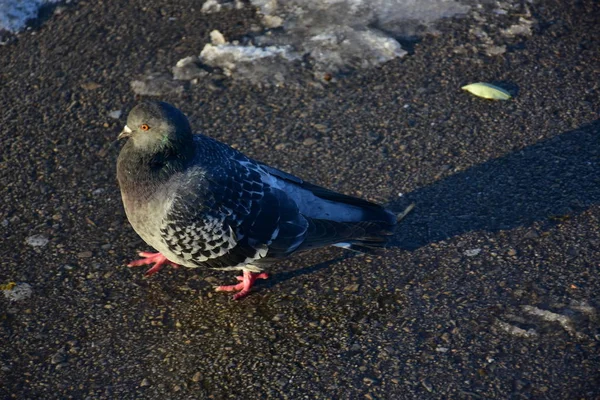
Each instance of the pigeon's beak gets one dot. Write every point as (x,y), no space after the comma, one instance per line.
(126,132)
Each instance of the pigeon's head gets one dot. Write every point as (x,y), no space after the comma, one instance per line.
(154,126)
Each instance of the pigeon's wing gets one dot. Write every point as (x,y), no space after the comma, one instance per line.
(227,217)
(334,218)
(369,210)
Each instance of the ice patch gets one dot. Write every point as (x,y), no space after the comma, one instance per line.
(213,6)
(522,28)
(17,292)
(14,14)
(217,38)
(329,36)
(516,331)
(156,84)
(188,69)
(256,64)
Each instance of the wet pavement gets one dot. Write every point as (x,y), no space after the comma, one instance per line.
(490,288)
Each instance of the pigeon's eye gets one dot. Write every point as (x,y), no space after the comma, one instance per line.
(145,127)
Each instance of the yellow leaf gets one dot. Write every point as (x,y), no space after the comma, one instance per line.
(8,286)
(487,91)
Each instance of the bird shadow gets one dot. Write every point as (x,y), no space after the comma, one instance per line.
(283,276)
(553,178)
(546,181)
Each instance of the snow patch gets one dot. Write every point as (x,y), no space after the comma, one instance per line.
(18,292)
(14,14)
(256,64)
(328,36)
(188,69)
(156,84)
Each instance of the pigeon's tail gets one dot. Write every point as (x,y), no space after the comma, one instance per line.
(361,236)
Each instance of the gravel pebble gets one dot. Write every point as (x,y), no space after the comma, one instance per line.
(37,240)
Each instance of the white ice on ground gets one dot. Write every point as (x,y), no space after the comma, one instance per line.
(19,292)
(14,14)
(188,69)
(214,6)
(228,56)
(332,35)
(156,84)
(256,64)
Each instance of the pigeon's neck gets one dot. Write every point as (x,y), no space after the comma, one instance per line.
(140,173)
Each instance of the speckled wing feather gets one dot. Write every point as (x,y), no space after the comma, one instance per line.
(225,216)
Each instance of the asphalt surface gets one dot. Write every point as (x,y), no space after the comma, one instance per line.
(490,288)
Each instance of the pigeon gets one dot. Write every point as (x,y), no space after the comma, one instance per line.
(203,204)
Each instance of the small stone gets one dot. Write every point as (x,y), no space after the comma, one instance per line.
(116,114)
(495,50)
(176,388)
(356,347)
(145,382)
(197,376)
(309,141)
(59,10)
(37,240)
(278,317)
(272,21)
(573,251)
(511,252)
(427,385)
(4,223)
(368,381)
(321,128)
(58,358)
(531,234)
(460,50)
(90,86)
(84,254)
(472,252)
(282,382)
(217,38)
(352,288)
(523,28)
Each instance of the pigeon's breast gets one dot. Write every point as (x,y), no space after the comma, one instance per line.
(146,215)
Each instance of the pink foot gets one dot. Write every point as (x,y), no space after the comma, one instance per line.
(244,286)
(149,258)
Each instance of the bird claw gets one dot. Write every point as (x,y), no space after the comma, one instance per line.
(246,282)
(157,259)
